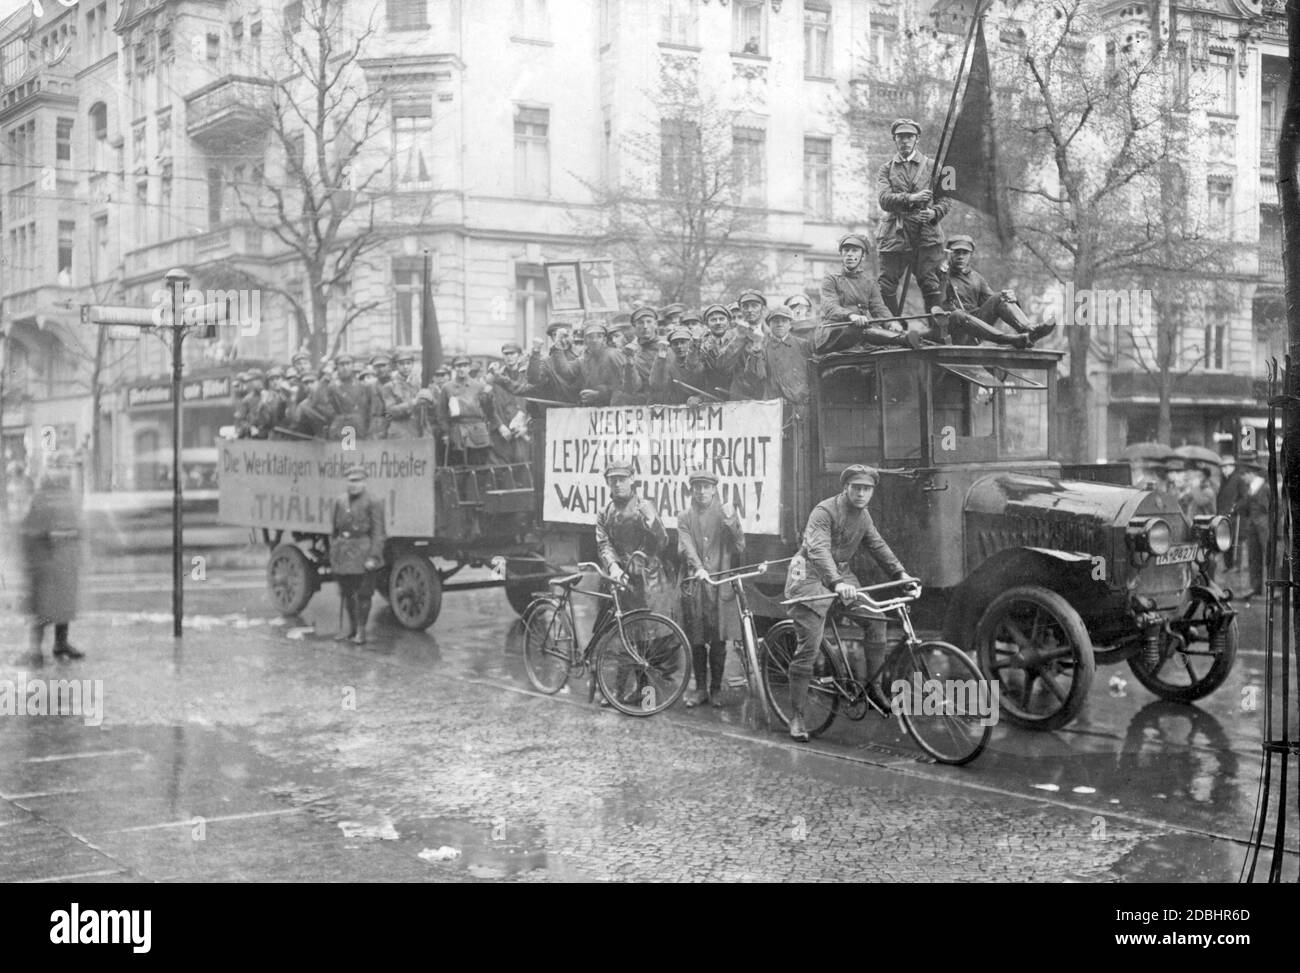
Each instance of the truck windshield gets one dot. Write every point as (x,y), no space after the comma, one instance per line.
(989,412)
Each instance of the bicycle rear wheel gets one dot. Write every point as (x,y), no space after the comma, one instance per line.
(644,669)
(947,705)
(823,699)
(548,645)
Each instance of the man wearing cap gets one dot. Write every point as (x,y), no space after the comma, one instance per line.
(738,355)
(279,397)
(852,310)
(1252,509)
(399,399)
(301,361)
(603,373)
(837,528)
(510,440)
(641,354)
(556,374)
(973,307)
(676,362)
(693,322)
(708,533)
(717,322)
(783,362)
(909,234)
(801,312)
(347,400)
(298,414)
(356,552)
(465,414)
(256,412)
(379,417)
(620,332)
(670,318)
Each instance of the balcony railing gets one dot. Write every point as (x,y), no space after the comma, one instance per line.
(1270,265)
(230,108)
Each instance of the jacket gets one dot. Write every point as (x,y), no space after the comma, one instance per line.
(899,229)
(356,533)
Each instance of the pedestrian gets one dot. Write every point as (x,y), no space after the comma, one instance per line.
(837,528)
(1252,508)
(52,535)
(1198,498)
(909,234)
(356,552)
(510,440)
(708,533)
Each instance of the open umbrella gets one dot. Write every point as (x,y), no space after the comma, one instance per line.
(1199,455)
(1146,452)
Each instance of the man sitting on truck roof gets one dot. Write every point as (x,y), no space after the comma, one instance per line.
(852,310)
(973,307)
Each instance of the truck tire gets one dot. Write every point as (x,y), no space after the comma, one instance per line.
(291,579)
(414,592)
(1202,663)
(1036,647)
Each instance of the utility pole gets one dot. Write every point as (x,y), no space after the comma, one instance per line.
(177,279)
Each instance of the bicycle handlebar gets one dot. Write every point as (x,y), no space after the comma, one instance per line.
(719,578)
(886,604)
(600,572)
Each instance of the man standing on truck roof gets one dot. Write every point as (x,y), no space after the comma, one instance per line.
(973,306)
(909,234)
(837,528)
(356,552)
(852,310)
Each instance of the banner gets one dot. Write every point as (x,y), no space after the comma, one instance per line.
(293,486)
(740,442)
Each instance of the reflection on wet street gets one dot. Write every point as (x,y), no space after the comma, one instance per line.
(258,748)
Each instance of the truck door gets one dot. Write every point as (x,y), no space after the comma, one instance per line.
(902,506)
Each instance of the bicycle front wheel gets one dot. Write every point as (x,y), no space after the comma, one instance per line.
(548,645)
(643,669)
(821,702)
(945,702)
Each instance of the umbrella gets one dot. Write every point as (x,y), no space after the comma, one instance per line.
(1146,452)
(1199,455)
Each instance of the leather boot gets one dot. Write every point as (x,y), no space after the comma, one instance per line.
(874,653)
(363,616)
(798,692)
(35,658)
(343,636)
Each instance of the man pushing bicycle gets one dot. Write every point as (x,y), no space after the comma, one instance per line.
(836,528)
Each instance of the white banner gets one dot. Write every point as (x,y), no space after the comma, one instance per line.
(740,442)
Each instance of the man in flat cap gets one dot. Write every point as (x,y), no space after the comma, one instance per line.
(670,318)
(346,400)
(909,234)
(257,409)
(783,362)
(801,311)
(837,528)
(356,552)
(743,347)
(603,373)
(380,363)
(465,415)
(973,307)
(553,370)
(677,362)
(717,324)
(641,355)
(852,310)
(399,399)
(708,533)
(1252,509)
(510,439)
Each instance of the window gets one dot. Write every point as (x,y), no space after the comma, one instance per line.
(165,133)
(1220,205)
(255,45)
(407,285)
(816,41)
(138,144)
(141,202)
(679,20)
(749,169)
(532,152)
(679,155)
(408,14)
(1272,98)
(531,301)
(1222,77)
(165,226)
(532,19)
(297,153)
(902,403)
(412,139)
(748,34)
(63,140)
(850,416)
(216,197)
(67,234)
(817,178)
(1216,344)
(214,47)
(99,249)
(164,42)
(293,17)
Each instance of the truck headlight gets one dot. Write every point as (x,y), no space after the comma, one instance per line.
(1215,532)
(1152,536)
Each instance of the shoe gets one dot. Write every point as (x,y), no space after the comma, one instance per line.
(1042,330)
(797,730)
(1022,341)
(910,339)
(67,651)
(877,697)
(343,636)
(715,698)
(697,698)
(359,638)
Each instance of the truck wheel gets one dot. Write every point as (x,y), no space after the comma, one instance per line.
(414,592)
(1036,646)
(1196,665)
(290,579)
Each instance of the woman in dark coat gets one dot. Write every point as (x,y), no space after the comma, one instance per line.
(52,547)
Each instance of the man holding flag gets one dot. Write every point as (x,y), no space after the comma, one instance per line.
(909,235)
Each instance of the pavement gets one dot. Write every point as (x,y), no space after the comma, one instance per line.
(256,748)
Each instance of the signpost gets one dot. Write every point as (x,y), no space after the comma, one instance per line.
(204,319)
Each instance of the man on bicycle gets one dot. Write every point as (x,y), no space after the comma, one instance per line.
(837,527)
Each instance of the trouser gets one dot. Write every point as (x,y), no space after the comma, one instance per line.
(60,635)
(978,323)
(1257,545)
(708,661)
(925,263)
(810,628)
(356,590)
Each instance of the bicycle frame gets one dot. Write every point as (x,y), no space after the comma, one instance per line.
(749,636)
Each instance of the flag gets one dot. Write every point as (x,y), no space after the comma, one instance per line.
(430,338)
(968,168)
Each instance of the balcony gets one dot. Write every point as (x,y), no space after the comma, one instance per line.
(1268,136)
(1270,265)
(46,301)
(231,240)
(1204,388)
(153,261)
(229,109)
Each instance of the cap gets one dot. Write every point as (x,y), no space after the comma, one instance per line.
(796,299)
(461,360)
(344,357)
(298,356)
(751,296)
(380,356)
(780,311)
(593,326)
(854,240)
(691,314)
(669,309)
(679,334)
(733,309)
(442,370)
(621,322)
(402,356)
(275,371)
(511,346)
(1251,460)
(857,472)
(904,125)
(555,326)
(254,373)
(961,242)
(356,472)
(701,475)
(291,372)
(715,308)
(643,311)
(242,377)
(307,375)
(618,469)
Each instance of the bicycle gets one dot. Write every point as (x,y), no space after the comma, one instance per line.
(952,727)
(640,659)
(751,644)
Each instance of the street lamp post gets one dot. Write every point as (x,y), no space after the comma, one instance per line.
(177,279)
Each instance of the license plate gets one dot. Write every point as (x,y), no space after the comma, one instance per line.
(1177,555)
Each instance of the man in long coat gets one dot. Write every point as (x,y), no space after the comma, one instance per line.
(909,234)
(52,533)
(356,552)
(708,533)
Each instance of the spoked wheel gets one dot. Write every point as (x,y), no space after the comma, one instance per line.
(548,645)
(644,669)
(414,592)
(822,701)
(944,701)
(290,579)
(1036,647)
(1196,660)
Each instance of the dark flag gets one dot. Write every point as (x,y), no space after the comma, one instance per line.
(430,338)
(968,168)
